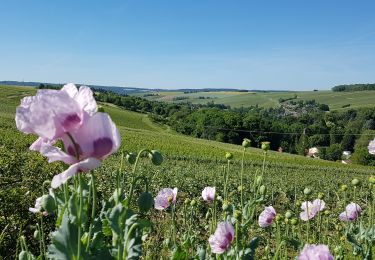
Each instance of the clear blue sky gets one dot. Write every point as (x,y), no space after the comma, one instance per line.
(246,44)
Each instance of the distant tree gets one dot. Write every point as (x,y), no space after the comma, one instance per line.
(334,152)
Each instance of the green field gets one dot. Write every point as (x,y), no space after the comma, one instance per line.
(190,164)
(335,100)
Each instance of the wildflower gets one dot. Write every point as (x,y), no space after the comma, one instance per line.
(222,238)
(351,212)
(320,252)
(311,209)
(246,143)
(265,146)
(165,197)
(266,217)
(208,194)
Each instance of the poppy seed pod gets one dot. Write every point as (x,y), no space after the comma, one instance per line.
(288,214)
(145,201)
(228,156)
(294,221)
(131,158)
(48,203)
(266,146)
(259,180)
(193,203)
(37,235)
(156,157)
(246,143)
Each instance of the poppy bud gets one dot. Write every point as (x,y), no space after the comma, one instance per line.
(131,158)
(278,218)
(193,203)
(187,201)
(228,156)
(145,201)
(294,221)
(307,191)
(48,203)
(327,212)
(355,182)
(225,206)
(246,143)
(219,198)
(288,214)
(156,157)
(85,238)
(265,146)
(25,256)
(262,190)
(372,179)
(237,214)
(344,187)
(259,180)
(240,188)
(37,234)
(320,195)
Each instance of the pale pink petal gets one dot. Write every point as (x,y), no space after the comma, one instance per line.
(208,194)
(98,137)
(56,154)
(70,89)
(222,238)
(86,100)
(85,165)
(319,204)
(266,217)
(312,252)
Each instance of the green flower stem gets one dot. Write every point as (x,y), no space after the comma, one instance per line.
(79,216)
(93,208)
(264,163)
(42,236)
(241,177)
(131,229)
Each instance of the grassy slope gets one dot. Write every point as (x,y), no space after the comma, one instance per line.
(237,99)
(190,156)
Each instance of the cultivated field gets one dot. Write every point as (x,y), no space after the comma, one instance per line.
(335,100)
(189,164)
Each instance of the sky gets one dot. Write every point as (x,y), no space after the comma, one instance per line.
(269,45)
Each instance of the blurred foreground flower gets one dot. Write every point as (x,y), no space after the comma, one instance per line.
(311,209)
(371,147)
(208,194)
(266,217)
(165,197)
(318,252)
(351,212)
(68,115)
(222,238)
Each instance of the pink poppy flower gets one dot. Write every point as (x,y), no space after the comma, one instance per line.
(311,209)
(351,212)
(208,194)
(266,217)
(222,238)
(318,252)
(165,197)
(51,113)
(371,147)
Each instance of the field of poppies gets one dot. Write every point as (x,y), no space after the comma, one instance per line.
(96,189)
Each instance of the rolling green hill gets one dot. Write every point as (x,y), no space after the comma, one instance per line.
(335,100)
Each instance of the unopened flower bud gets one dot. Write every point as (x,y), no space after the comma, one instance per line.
(228,156)
(48,203)
(193,203)
(355,182)
(259,180)
(320,195)
(240,188)
(294,221)
(372,179)
(131,158)
(187,201)
(307,191)
(246,143)
(265,146)
(278,217)
(237,214)
(156,157)
(219,198)
(225,206)
(145,201)
(327,212)
(288,214)
(262,190)
(344,187)
(37,234)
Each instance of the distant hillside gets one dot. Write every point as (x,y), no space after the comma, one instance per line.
(353,87)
